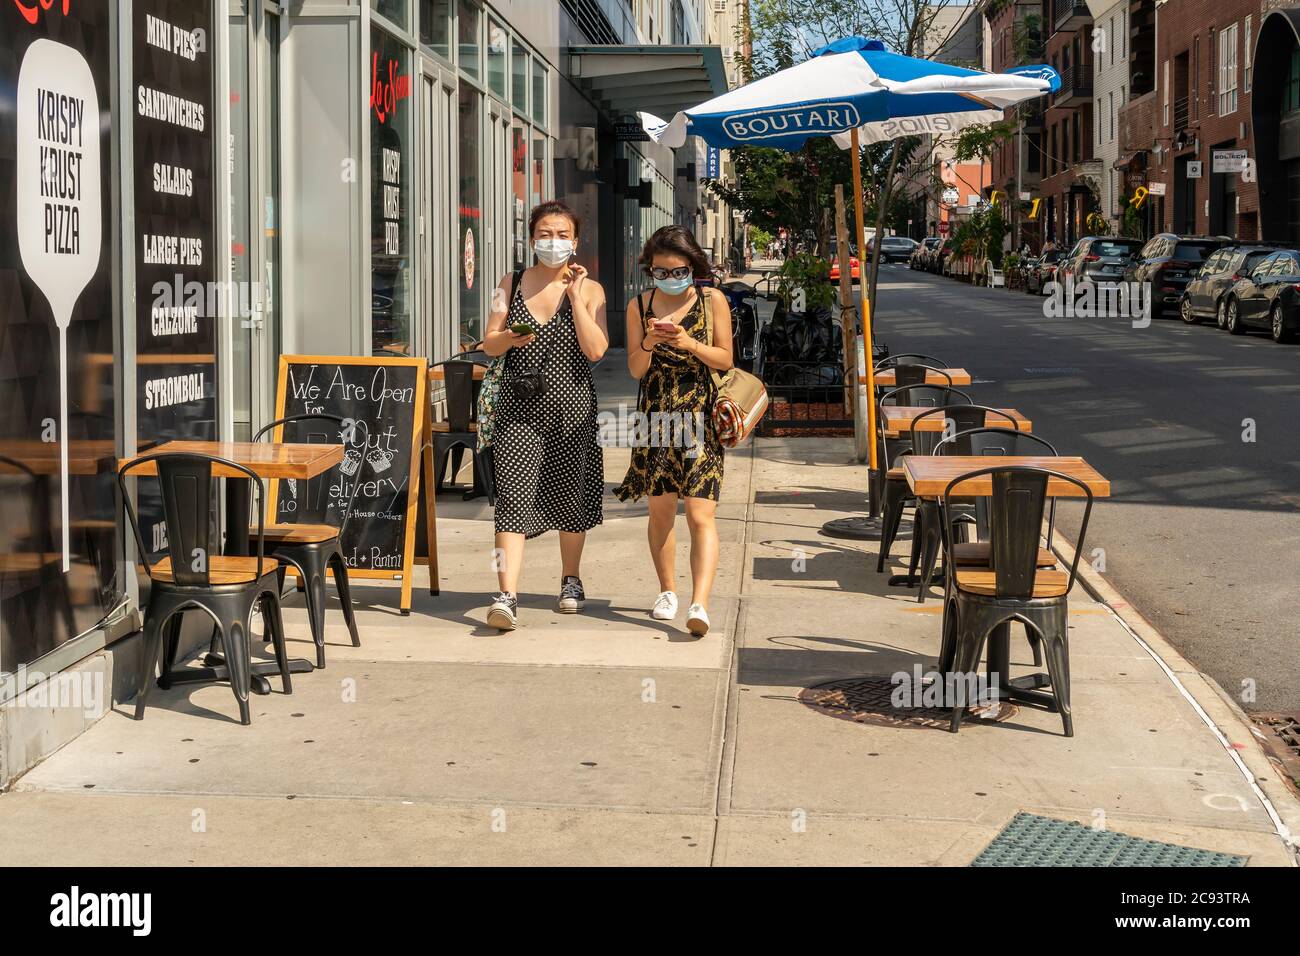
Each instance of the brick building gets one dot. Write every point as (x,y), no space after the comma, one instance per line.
(1071,170)
(1275,117)
(1016,34)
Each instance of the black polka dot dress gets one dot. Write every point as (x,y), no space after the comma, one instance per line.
(549,471)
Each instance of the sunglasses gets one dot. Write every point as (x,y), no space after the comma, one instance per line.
(681,272)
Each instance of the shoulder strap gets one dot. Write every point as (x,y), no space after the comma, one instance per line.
(708,333)
(514,286)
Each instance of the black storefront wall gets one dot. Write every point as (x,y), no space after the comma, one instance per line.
(58,536)
(1276,136)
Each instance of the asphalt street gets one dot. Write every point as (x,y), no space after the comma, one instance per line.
(1199,434)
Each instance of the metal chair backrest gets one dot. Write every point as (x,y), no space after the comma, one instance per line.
(911,358)
(999,441)
(930,396)
(458,380)
(957,419)
(1015,523)
(351,432)
(186,484)
(918,375)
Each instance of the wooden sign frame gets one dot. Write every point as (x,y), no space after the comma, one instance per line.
(419,429)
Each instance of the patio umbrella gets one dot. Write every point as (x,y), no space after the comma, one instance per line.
(854,90)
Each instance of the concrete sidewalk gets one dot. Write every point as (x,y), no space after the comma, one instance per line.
(610,738)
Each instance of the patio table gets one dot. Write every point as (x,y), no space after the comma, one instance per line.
(267,460)
(929,476)
(885,378)
(897,420)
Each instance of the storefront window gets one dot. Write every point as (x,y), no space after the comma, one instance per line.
(539,92)
(519,78)
(470,235)
(497,50)
(519,193)
(394,10)
(390,91)
(435,26)
(468,33)
(539,169)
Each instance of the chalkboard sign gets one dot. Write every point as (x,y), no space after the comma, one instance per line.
(389,395)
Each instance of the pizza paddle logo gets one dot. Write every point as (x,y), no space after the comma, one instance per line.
(59,204)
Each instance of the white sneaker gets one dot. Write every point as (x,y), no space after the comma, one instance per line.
(665,607)
(697,620)
(502,613)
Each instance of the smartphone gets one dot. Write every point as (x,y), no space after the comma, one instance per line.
(522,328)
(664,325)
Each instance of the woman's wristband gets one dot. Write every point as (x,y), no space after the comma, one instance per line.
(643,348)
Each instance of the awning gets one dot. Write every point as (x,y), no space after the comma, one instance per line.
(657,79)
(1126,159)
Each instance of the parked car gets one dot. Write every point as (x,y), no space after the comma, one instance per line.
(923,250)
(1098,258)
(1042,272)
(1204,296)
(1268,298)
(855,269)
(940,254)
(1168,262)
(897,248)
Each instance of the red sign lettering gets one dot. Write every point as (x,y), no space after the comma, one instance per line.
(31,10)
(387,91)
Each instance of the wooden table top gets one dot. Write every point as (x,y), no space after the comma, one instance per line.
(43,458)
(929,475)
(436,374)
(897,419)
(264,459)
(885,377)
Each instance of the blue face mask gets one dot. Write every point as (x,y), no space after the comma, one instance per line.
(673,286)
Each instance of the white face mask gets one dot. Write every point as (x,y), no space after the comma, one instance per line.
(554,252)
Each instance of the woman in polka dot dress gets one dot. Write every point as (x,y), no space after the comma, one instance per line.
(549,470)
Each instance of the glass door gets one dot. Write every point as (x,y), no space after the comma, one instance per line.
(255,214)
(436,333)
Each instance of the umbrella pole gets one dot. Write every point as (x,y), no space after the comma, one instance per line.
(862,527)
(859,222)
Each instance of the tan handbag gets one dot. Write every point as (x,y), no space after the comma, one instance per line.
(741,398)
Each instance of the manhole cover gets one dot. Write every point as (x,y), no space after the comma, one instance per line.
(1031,840)
(1281,738)
(870,700)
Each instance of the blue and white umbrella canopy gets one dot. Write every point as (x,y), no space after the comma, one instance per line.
(854,83)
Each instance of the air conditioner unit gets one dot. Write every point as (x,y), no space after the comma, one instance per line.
(728,52)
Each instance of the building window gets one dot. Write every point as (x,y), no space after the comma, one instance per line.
(1113,37)
(498,49)
(393,10)
(1246,56)
(539,93)
(1291,85)
(469,241)
(1165,86)
(390,309)
(435,26)
(1228,70)
(1111,99)
(519,78)
(467,21)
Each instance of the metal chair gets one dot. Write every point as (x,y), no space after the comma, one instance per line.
(926,539)
(911,358)
(313,545)
(1012,588)
(192,577)
(460,431)
(892,488)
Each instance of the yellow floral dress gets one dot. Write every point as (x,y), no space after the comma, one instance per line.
(674,447)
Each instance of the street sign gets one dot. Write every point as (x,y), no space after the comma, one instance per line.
(1156,189)
(943,228)
(1194,169)
(713,167)
(1227,160)
(950,196)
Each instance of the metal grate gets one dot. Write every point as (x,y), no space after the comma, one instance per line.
(869,700)
(592,21)
(1031,840)
(1280,735)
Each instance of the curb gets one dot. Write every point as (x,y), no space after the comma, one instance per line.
(1213,704)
